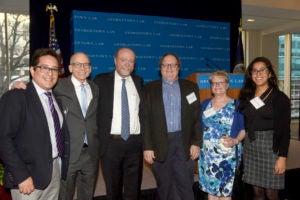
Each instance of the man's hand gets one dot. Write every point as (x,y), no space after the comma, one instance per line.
(194,152)
(26,187)
(18,85)
(149,156)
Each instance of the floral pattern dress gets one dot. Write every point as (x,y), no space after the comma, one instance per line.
(217,163)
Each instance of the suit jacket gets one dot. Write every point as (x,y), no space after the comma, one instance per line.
(25,145)
(155,127)
(105,83)
(77,124)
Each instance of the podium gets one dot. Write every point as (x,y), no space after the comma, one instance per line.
(236,82)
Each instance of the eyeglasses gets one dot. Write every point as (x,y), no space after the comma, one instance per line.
(217,83)
(45,69)
(259,71)
(78,65)
(172,65)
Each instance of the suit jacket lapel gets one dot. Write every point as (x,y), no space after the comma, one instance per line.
(93,103)
(72,92)
(110,89)
(184,103)
(33,98)
(160,104)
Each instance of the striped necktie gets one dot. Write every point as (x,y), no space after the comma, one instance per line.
(58,132)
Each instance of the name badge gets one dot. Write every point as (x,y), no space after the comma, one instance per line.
(257,102)
(209,112)
(191,98)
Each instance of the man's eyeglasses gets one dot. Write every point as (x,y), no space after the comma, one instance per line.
(45,69)
(172,65)
(78,65)
(259,71)
(222,83)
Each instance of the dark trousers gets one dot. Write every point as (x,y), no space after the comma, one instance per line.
(82,174)
(175,175)
(122,168)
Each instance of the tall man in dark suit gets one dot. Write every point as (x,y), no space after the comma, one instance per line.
(33,137)
(79,100)
(172,130)
(121,159)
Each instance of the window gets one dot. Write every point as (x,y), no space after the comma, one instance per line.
(14,49)
(295,77)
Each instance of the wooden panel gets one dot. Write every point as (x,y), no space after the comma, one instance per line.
(206,93)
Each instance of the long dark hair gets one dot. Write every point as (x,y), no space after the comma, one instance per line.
(248,90)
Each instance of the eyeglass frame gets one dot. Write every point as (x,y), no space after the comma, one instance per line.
(221,83)
(171,65)
(78,65)
(45,69)
(260,71)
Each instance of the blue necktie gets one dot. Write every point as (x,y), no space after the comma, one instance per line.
(58,133)
(83,100)
(125,125)
(84,106)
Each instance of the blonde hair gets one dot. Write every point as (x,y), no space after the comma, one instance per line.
(220,73)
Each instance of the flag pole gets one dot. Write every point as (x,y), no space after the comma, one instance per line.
(53,42)
(239,56)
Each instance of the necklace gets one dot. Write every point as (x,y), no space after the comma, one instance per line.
(265,97)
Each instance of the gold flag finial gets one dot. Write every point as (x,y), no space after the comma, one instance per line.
(51,8)
(241,25)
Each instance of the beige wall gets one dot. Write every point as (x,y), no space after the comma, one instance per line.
(286,4)
(256,44)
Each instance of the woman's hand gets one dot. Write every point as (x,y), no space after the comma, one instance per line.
(280,165)
(229,141)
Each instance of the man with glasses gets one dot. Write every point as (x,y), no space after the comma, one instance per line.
(172,130)
(78,98)
(34,144)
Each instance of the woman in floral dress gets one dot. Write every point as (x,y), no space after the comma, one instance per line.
(223,130)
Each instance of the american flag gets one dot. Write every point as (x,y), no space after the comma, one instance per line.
(239,55)
(53,43)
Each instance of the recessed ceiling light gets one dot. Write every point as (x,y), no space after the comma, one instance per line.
(250,20)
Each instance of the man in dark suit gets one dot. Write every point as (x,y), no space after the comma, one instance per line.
(172,130)
(33,137)
(121,159)
(80,107)
(79,99)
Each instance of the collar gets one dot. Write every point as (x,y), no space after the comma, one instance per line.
(77,83)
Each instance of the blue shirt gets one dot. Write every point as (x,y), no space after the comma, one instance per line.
(172,104)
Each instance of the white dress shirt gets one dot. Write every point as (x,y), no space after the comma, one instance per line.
(46,107)
(133,103)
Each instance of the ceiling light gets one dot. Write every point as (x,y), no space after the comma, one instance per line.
(250,20)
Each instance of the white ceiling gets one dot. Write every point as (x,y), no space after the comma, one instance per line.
(14,6)
(272,16)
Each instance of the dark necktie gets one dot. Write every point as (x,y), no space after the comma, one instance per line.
(58,133)
(125,125)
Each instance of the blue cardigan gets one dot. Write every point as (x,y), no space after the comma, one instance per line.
(238,120)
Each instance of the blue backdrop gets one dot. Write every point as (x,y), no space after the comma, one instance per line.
(203,46)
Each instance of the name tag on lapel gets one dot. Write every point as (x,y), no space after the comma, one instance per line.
(191,98)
